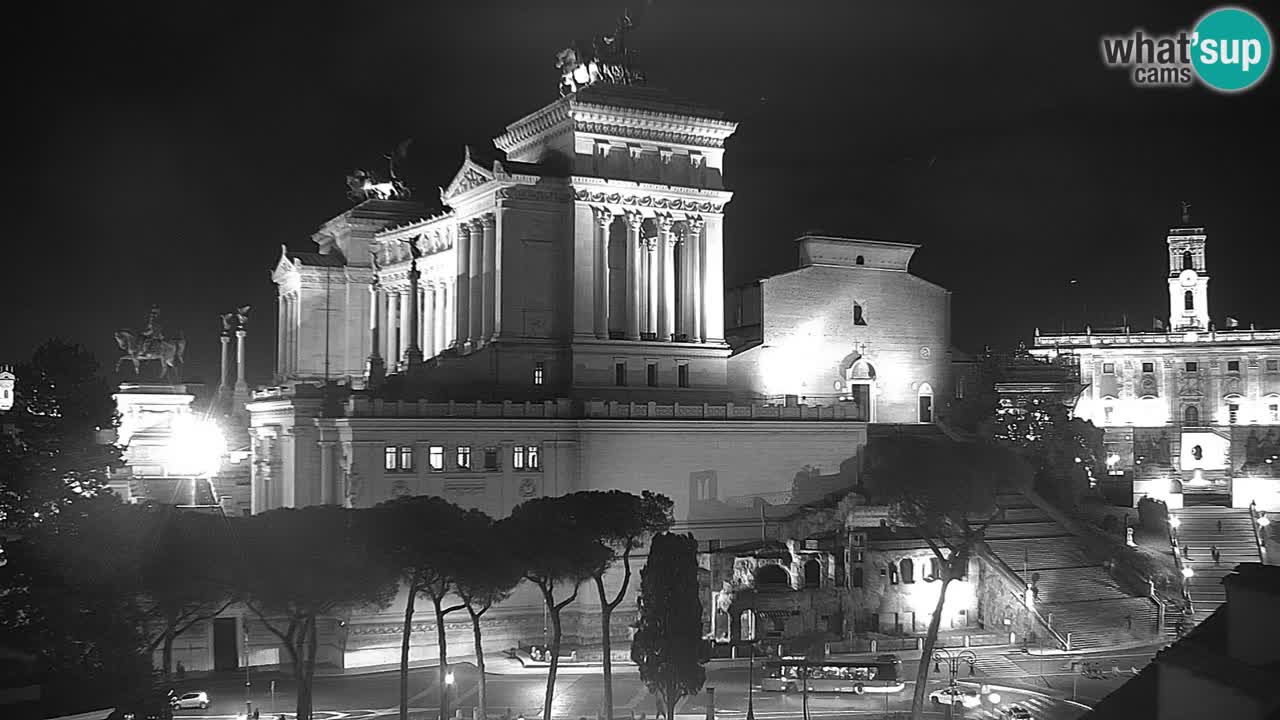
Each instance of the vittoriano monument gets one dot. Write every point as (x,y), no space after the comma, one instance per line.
(151,344)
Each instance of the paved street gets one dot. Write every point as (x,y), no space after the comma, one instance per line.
(1043,685)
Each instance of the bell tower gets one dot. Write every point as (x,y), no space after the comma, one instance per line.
(1188,276)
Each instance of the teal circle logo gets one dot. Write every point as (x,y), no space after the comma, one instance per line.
(1231,49)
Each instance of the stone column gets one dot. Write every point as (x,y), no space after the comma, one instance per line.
(652,260)
(693,239)
(451,313)
(393,327)
(291,337)
(375,368)
(427,314)
(281,327)
(489,315)
(222,376)
(713,280)
(634,220)
(462,282)
(413,298)
(604,219)
(328,476)
(475,304)
(405,307)
(242,387)
(440,325)
(667,282)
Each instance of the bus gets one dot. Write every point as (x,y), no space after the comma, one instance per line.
(882,674)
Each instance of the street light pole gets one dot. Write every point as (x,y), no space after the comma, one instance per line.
(448,683)
(751,681)
(953,667)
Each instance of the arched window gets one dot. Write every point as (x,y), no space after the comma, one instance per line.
(859,261)
(1188,261)
(858,319)
(935,569)
(773,576)
(857,577)
(1191,415)
(1188,300)
(813,574)
(908,570)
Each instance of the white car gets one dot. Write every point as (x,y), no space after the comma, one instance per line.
(1016,712)
(956,695)
(198,700)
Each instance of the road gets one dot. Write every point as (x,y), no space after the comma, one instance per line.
(1044,685)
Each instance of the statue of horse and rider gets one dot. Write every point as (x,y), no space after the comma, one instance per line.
(151,344)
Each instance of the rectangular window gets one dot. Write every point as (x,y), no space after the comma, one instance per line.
(1193,367)
(1109,368)
(389,458)
(682,376)
(651,374)
(1148,367)
(406,458)
(620,374)
(464,457)
(1273,411)
(1106,414)
(1273,365)
(435,458)
(397,458)
(959,388)
(533,457)
(517,457)
(1233,366)
(1233,413)
(491,458)
(538,370)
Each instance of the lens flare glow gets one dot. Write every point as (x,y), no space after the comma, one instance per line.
(196,447)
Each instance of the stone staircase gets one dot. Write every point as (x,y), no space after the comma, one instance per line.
(1075,594)
(1197,535)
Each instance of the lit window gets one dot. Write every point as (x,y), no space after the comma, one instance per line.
(1233,413)
(389,458)
(682,375)
(1106,414)
(651,374)
(620,374)
(397,458)
(1273,411)
(858,318)
(960,388)
(1188,301)
(435,458)
(517,457)
(533,457)
(464,457)
(1148,367)
(1233,366)
(1193,367)
(538,370)
(406,458)
(491,458)
(1273,365)
(908,570)
(1109,368)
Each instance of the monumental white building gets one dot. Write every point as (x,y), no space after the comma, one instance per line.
(1192,410)
(559,324)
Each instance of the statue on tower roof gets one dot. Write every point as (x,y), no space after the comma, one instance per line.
(609,61)
(1186,212)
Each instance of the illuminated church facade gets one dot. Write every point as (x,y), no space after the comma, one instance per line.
(1191,411)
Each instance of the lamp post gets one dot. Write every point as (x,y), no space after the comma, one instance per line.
(448,683)
(751,680)
(953,661)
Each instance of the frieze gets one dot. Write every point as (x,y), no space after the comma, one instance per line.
(648,201)
(648,133)
(524,193)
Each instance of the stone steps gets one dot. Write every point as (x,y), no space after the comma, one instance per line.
(1039,553)
(1198,534)
(998,530)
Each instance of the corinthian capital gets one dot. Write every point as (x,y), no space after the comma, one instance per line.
(665,223)
(634,220)
(694,224)
(604,216)
(488,220)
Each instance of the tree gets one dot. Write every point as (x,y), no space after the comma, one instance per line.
(668,642)
(184,575)
(1063,451)
(552,547)
(622,522)
(302,565)
(55,453)
(425,537)
(945,491)
(489,574)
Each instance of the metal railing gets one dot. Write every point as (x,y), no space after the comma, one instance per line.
(1177,560)
(1254,516)
(1003,568)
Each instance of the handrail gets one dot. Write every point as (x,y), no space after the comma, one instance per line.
(1013,576)
(1177,561)
(1257,530)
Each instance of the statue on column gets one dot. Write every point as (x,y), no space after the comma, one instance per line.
(151,344)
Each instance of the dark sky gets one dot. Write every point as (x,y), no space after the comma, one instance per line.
(163,152)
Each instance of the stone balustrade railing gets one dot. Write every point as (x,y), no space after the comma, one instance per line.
(1147,338)
(565,409)
(371,407)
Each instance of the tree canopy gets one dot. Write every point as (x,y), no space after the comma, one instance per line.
(667,645)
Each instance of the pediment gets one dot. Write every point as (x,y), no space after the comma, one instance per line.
(469,177)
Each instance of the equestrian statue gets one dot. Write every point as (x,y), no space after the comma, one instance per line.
(151,344)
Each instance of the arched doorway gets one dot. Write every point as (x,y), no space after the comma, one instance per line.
(924,399)
(908,570)
(860,388)
(1191,415)
(770,577)
(813,573)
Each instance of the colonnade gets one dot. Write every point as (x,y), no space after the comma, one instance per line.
(392,318)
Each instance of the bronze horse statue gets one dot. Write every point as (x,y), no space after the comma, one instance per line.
(137,350)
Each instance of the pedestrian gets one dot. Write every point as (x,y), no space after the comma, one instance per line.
(256,713)
(1127,618)
(1217,555)
(182,671)
(1186,552)
(1219,527)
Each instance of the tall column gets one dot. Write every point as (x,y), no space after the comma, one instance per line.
(280,337)
(222,376)
(713,280)
(406,327)
(652,260)
(291,337)
(241,385)
(393,327)
(489,270)
(603,218)
(427,316)
(693,238)
(438,308)
(413,300)
(667,282)
(475,321)
(634,220)
(462,283)
(451,312)
(328,473)
(375,368)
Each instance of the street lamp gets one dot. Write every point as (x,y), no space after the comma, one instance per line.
(953,666)
(1174,522)
(448,683)
(1188,572)
(1263,521)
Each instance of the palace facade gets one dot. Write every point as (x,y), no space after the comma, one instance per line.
(1191,411)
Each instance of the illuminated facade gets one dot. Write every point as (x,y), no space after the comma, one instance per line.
(1191,410)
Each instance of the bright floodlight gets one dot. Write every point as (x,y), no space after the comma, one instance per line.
(1187,572)
(1112,459)
(448,678)
(195,447)
(1264,521)
(1174,522)
(994,698)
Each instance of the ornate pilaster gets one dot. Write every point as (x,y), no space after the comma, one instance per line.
(603,221)
(427,311)
(489,315)
(393,326)
(697,278)
(634,220)
(475,322)
(462,283)
(375,369)
(667,281)
(280,337)
(652,266)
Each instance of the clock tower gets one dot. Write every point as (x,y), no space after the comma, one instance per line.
(1188,276)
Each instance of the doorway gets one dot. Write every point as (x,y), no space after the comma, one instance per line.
(226,654)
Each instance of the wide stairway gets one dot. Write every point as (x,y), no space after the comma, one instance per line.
(1076,595)
(1198,534)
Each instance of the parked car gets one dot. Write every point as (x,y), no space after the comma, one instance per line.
(155,707)
(199,700)
(1016,712)
(956,695)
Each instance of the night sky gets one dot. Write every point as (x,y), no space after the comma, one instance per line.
(163,152)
